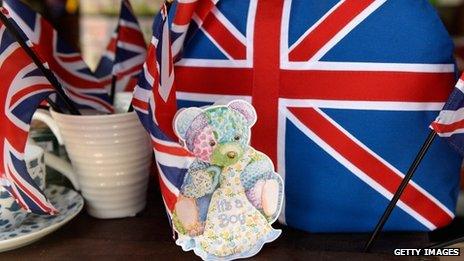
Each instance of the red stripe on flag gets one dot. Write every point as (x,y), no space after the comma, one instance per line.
(214,80)
(370,165)
(204,8)
(31,195)
(169,197)
(68,59)
(112,45)
(152,65)
(140,104)
(131,84)
(374,86)
(184,13)
(11,66)
(171,150)
(107,106)
(266,77)
(224,38)
(165,111)
(24,92)
(329,85)
(132,36)
(446,128)
(131,71)
(326,30)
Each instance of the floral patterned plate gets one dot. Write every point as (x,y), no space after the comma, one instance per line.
(67,201)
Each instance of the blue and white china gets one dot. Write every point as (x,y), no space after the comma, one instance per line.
(67,201)
(35,163)
(11,213)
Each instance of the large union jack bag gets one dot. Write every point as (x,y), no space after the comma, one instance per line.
(344,91)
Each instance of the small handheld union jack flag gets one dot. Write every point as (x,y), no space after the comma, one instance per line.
(155,98)
(449,125)
(155,85)
(22,88)
(155,95)
(125,53)
(450,122)
(82,86)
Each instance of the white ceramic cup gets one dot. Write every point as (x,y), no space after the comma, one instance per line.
(35,163)
(110,155)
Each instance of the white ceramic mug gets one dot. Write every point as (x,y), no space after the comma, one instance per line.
(110,155)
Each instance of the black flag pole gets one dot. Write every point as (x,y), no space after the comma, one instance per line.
(54,106)
(114,80)
(46,72)
(412,169)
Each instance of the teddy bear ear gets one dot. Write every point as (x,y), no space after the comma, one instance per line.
(183,119)
(246,109)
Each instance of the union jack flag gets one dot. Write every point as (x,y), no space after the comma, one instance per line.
(81,85)
(450,122)
(125,53)
(22,88)
(183,27)
(344,96)
(155,103)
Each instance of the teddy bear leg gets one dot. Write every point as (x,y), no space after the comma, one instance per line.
(270,197)
(187,214)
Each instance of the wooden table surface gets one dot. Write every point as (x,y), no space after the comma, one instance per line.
(148,236)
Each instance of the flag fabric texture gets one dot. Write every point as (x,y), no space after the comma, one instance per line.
(450,122)
(22,88)
(155,103)
(81,85)
(344,96)
(125,53)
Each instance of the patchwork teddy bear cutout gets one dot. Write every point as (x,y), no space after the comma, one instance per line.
(231,194)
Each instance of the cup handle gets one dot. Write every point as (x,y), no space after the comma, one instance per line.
(51,160)
(45,117)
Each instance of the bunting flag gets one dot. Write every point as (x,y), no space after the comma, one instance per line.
(81,85)
(125,53)
(22,88)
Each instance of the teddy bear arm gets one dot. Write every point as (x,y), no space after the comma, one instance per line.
(198,181)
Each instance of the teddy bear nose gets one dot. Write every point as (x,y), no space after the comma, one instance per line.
(231,154)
